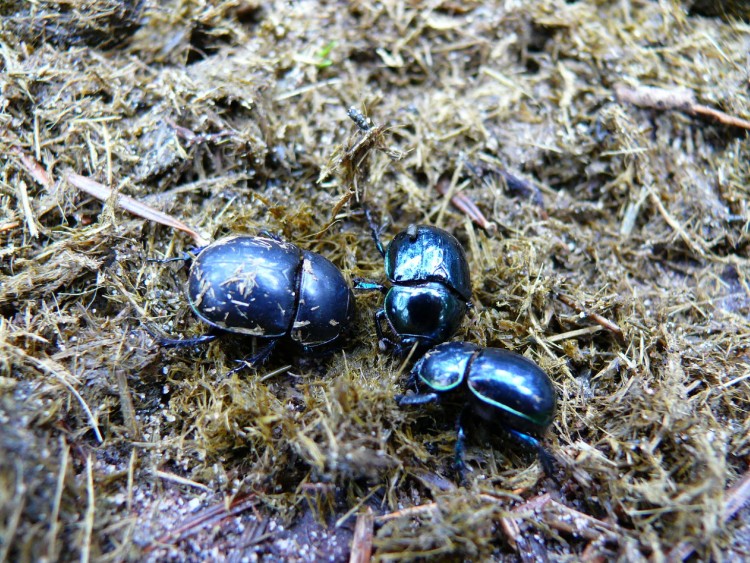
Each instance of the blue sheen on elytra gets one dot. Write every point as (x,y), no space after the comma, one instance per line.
(504,387)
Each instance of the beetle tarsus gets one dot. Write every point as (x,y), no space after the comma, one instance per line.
(375,230)
(268,234)
(460,450)
(185,342)
(546,459)
(255,359)
(363,284)
(184,257)
(418,399)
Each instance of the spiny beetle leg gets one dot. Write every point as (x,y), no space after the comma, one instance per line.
(268,234)
(545,458)
(184,342)
(384,341)
(376,230)
(254,359)
(460,450)
(185,256)
(419,399)
(367,285)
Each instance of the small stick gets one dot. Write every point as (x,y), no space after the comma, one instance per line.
(512,531)
(597,318)
(204,519)
(36,170)
(362,540)
(680,99)
(103,193)
(566,519)
(410,511)
(28,213)
(54,520)
(686,238)
(9,225)
(181,480)
(464,203)
(88,521)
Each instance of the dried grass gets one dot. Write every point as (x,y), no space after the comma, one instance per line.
(232,117)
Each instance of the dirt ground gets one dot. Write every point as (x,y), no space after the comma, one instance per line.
(592,158)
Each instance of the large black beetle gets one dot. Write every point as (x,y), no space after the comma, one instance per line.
(264,287)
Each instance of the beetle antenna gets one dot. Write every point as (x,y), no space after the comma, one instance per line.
(376,230)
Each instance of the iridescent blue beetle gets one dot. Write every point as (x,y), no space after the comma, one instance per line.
(430,287)
(502,388)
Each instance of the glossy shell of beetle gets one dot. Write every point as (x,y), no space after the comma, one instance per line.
(423,253)
(264,287)
(521,392)
(504,386)
(326,303)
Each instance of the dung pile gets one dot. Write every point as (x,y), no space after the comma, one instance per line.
(605,142)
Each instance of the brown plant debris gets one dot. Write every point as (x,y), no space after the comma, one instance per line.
(593,159)
(680,99)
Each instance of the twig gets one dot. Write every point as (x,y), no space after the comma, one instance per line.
(28,213)
(686,238)
(181,480)
(8,225)
(516,185)
(54,523)
(411,511)
(680,99)
(52,368)
(464,203)
(348,159)
(512,531)
(194,138)
(566,519)
(103,193)
(597,318)
(209,517)
(126,398)
(36,170)
(362,540)
(90,513)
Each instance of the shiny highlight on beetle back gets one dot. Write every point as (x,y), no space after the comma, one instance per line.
(503,386)
(269,288)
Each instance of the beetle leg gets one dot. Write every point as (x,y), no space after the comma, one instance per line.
(417,399)
(254,359)
(375,230)
(382,338)
(367,285)
(184,342)
(268,234)
(184,257)
(460,447)
(545,458)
